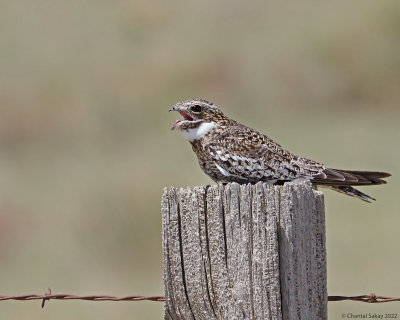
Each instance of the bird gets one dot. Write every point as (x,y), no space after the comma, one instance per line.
(229,151)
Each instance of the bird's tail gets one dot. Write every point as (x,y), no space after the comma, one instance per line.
(343,180)
(353,192)
(336,177)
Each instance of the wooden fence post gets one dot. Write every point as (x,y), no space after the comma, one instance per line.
(244,252)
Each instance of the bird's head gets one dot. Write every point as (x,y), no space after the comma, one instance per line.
(196,112)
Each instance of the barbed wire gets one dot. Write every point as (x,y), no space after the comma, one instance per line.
(49,296)
(371,298)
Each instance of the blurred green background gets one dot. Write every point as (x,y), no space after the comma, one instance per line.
(86,146)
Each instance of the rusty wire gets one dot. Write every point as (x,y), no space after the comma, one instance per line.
(49,296)
(371,298)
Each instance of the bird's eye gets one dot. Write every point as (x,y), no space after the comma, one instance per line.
(196,109)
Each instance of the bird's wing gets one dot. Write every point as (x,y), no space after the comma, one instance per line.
(249,155)
(238,162)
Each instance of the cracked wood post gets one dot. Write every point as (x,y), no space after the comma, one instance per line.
(244,252)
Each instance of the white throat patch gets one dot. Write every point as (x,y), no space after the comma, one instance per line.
(199,132)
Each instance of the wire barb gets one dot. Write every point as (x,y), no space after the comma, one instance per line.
(44,299)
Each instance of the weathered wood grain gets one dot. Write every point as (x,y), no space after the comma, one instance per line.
(244,252)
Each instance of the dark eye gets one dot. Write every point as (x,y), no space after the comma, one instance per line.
(196,109)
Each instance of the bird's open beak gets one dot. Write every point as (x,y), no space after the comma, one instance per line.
(183,113)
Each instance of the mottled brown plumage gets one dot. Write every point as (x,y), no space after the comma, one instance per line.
(231,152)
